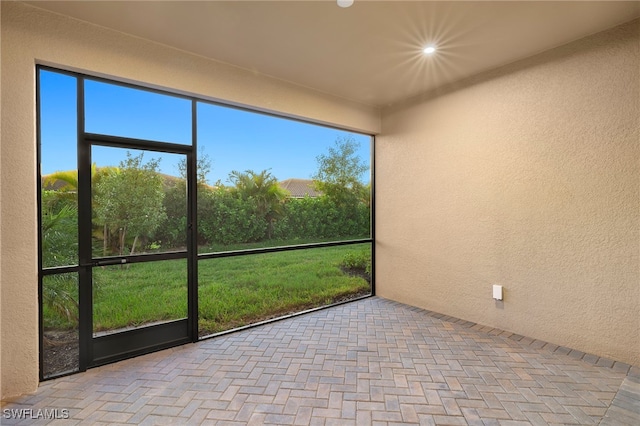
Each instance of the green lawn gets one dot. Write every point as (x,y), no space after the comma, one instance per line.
(232,292)
(213,248)
(242,290)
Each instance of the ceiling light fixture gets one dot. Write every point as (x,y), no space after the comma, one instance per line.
(345,3)
(429,50)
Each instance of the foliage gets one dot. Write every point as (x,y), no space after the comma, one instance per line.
(60,301)
(263,189)
(236,293)
(226,218)
(339,172)
(59,230)
(173,230)
(67,181)
(357,260)
(323,218)
(60,248)
(134,201)
(66,184)
(202,168)
(129,201)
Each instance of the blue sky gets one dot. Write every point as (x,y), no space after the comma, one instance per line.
(233,139)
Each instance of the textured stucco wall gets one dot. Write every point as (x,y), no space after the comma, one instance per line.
(528,177)
(0,211)
(31,36)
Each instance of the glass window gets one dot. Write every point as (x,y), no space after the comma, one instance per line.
(272,181)
(58,153)
(111,109)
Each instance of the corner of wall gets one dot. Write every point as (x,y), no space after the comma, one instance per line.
(525,176)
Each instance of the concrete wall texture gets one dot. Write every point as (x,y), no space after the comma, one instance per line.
(528,177)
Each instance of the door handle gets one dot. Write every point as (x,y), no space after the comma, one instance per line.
(110,262)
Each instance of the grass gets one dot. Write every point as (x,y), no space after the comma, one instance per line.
(242,290)
(213,248)
(232,292)
(141,293)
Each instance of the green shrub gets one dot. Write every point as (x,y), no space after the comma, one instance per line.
(360,260)
(60,301)
(322,218)
(173,231)
(59,231)
(225,217)
(229,219)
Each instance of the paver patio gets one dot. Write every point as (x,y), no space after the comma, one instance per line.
(373,361)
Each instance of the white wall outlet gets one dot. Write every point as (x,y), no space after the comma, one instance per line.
(497,292)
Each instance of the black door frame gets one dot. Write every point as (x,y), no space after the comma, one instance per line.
(95,351)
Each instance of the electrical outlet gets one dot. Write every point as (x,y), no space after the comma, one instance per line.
(497,292)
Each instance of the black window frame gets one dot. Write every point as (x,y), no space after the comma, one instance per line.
(195,100)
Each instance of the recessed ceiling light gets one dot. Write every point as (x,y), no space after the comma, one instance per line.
(345,3)
(429,50)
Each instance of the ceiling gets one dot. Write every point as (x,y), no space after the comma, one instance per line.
(370,52)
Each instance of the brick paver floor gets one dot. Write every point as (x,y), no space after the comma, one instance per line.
(373,361)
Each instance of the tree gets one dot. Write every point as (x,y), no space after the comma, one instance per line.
(202,168)
(264,190)
(67,181)
(173,231)
(130,200)
(66,184)
(339,172)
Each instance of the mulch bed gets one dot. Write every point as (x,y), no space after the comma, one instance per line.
(61,351)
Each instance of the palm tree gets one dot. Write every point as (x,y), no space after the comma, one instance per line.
(65,186)
(65,183)
(264,190)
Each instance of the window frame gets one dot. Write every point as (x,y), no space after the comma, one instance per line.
(195,100)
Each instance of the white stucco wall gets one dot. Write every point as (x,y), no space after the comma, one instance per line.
(528,177)
(31,36)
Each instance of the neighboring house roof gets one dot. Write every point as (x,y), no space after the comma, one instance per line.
(300,188)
